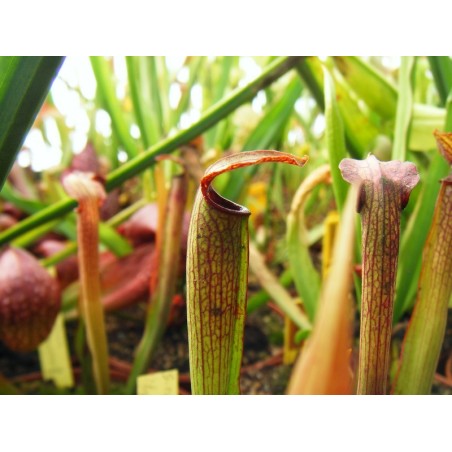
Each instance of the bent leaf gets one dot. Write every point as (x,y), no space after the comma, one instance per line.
(306,277)
(324,364)
(217,273)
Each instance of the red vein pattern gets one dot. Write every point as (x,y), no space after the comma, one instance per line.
(217,276)
(384,190)
(424,337)
(216,247)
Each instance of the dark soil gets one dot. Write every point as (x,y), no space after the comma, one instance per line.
(262,368)
(262,372)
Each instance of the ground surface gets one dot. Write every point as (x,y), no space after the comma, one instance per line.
(262,369)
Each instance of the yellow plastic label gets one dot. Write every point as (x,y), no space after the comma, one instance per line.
(291,349)
(331,225)
(159,383)
(54,356)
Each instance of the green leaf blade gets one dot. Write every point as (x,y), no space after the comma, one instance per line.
(335,140)
(106,87)
(404,108)
(378,93)
(136,165)
(24,84)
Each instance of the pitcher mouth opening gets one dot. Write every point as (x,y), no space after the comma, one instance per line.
(225,205)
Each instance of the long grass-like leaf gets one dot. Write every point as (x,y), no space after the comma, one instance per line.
(108,235)
(134,166)
(404,108)
(335,140)
(371,86)
(360,132)
(160,83)
(194,66)
(264,135)
(441,67)
(140,91)
(309,76)
(106,86)
(24,84)
(227,64)
(425,119)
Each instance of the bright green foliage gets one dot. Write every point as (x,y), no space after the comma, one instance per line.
(404,108)
(24,83)
(374,89)
(329,108)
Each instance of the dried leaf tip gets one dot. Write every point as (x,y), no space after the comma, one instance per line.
(371,170)
(82,185)
(444,142)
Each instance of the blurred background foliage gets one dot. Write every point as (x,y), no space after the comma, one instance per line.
(113,115)
(123,106)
